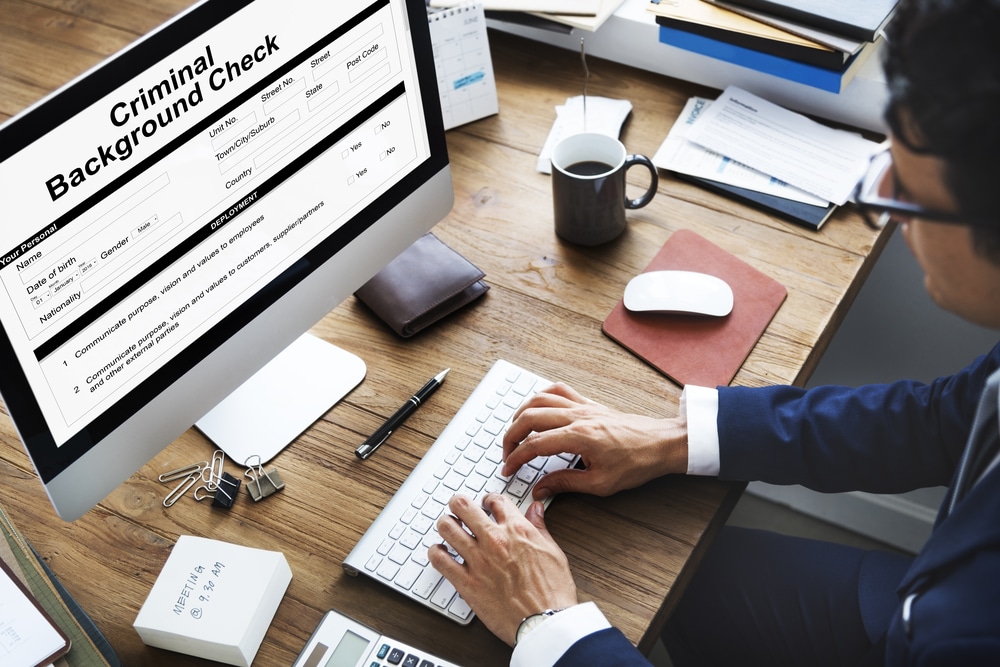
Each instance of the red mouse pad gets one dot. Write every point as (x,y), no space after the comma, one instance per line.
(699,349)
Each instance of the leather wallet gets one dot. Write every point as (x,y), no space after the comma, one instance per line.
(426,282)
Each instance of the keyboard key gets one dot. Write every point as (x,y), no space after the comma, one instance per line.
(433,509)
(407,575)
(495,454)
(524,386)
(494,426)
(460,608)
(444,594)
(373,563)
(464,466)
(553,463)
(474,453)
(443,495)
(453,481)
(399,554)
(495,485)
(504,413)
(422,524)
(476,482)
(538,462)
(517,488)
(526,474)
(419,556)
(426,582)
(387,570)
(411,539)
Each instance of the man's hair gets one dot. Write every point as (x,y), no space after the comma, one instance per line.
(942,64)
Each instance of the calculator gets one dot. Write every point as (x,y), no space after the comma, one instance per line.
(339,641)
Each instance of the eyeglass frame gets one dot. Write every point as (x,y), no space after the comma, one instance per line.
(878,211)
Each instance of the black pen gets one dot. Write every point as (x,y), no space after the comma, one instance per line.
(376,439)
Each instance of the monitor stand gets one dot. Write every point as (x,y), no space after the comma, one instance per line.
(281,400)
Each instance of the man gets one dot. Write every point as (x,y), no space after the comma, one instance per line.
(760,598)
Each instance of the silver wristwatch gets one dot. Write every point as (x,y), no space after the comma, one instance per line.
(529,623)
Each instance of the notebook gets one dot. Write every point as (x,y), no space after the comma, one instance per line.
(89,648)
(697,349)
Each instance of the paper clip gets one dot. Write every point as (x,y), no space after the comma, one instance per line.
(214,470)
(179,490)
(186,471)
(258,488)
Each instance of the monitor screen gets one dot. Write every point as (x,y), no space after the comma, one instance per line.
(178,215)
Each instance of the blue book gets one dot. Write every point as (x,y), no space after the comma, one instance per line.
(810,75)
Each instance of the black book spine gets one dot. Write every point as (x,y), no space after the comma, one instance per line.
(831,60)
(818,21)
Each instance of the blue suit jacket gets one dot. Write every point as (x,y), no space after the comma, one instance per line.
(882,439)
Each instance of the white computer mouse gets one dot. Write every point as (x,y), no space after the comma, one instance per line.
(679,292)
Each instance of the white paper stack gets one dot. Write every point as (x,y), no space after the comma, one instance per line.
(214,600)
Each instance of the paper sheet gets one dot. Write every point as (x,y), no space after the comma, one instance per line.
(680,155)
(575,7)
(604,116)
(26,636)
(590,23)
(823,161)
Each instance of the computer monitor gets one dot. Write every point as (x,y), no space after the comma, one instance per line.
(181,214)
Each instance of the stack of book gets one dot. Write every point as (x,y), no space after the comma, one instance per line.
(819,43)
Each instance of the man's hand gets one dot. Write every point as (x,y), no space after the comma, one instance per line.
(511,567)
(619,450)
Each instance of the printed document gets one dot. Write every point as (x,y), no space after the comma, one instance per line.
(822,161)
(685,157)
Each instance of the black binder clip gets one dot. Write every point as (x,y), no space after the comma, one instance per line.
(263,483)
(225,493)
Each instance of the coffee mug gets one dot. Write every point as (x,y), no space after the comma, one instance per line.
(588,187)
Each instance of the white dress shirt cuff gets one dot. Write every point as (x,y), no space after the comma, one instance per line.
(701,405)
(544,645)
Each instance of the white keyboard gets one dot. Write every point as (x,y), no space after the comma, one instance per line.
(464,459)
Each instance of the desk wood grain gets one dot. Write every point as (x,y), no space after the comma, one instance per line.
(632,553)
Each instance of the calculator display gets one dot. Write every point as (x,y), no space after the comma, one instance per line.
(348,651)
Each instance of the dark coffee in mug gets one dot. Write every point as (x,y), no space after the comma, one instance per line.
(588,187)
(589,168)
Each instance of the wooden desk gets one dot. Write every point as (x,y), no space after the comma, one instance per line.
(631,553)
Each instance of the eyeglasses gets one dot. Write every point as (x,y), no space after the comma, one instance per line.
(878,207)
